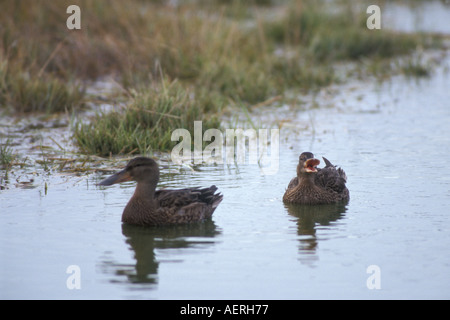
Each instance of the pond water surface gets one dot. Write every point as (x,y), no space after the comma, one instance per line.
(392,139)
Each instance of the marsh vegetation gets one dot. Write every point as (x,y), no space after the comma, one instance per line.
(173,64)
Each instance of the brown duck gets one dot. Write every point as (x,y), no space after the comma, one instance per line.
(316,186)
(148,207)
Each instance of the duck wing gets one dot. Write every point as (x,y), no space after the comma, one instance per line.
(186,196)
(188,204)
(332,178)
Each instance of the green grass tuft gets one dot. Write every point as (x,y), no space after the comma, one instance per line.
(7,155)
(147,123)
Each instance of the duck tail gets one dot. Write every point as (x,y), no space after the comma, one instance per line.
(215,198)
(327,162)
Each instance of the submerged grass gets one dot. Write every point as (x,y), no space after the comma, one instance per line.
(211,54)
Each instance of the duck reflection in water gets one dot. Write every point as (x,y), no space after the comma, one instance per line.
(308,218)
(144,242)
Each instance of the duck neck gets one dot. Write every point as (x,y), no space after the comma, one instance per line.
(145,191)
(306,179)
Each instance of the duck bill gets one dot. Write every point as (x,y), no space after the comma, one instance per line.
(311,165)
(120,176)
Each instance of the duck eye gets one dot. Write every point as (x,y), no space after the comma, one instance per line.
(134,166)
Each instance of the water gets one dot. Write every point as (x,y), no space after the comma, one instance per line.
(392,139)
(427,16)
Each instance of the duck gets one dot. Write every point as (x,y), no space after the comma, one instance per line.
(314,185)
(151,207)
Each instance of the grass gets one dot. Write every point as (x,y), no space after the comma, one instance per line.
(7,156)
(183,63)
(22,93)
(154,112)
(341,34)
(416,67)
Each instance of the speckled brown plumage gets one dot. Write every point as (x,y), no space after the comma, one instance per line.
(148,207)
(317,186)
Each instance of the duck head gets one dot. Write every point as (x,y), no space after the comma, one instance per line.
(140,169)
(307,164)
